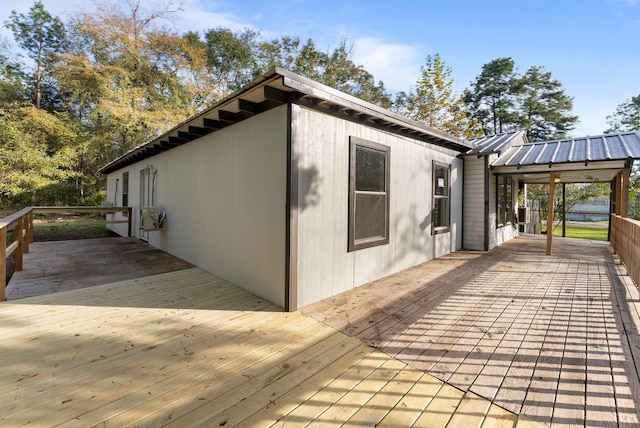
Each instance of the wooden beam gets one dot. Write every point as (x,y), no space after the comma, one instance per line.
(552,185)
(227,116)
(3,262)
(248,106)
(275,94)
(186,136)
(624,193)
(618,193)
(177,141)
(196,130)
(212,124)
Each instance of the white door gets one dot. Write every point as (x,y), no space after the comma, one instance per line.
(146,198)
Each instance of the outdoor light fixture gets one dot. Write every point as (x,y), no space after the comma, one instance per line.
(556,180)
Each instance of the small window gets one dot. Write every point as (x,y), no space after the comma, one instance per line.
(368,194)
(125,189)
(504,200)
(441,200)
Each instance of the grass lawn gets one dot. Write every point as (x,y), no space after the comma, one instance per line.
(55,227)
(596,233)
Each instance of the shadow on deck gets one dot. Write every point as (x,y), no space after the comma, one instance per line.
(55,266)
(551,337)
(470,339)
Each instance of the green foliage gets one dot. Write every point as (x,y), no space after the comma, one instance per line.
(491,97)
(543,106)
(33,153)
(626,117)
(576,193)
(434,103)
(501,100)
(42,36)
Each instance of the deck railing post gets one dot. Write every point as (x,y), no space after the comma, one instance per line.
(129,228)
(18,237)
(3,262)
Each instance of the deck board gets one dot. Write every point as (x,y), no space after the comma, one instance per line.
(515,337)
(554,338)
(50,267)
(185,347)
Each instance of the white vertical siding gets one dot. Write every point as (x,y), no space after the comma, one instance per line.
(225,199)
(321,150)
(473,205)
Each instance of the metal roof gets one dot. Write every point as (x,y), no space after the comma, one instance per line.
(497,143)
(608,147)
(276,88)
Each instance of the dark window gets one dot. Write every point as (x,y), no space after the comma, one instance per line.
(368,194)
(125,189)
(441,201)
(504,200)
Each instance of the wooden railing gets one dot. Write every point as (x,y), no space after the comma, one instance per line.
(21,223)
(625,240)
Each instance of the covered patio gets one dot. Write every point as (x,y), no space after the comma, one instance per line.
(510,337)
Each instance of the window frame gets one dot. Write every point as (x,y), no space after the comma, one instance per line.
(359,244)
(504,201)
(447,167)
(125,189)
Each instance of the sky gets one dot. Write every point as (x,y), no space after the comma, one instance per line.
(591,46)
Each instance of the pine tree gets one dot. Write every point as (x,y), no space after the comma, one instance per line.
(544,108)
(42,36)
(626,117)
(434,102)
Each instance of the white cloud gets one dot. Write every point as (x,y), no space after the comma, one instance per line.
(397,65)
(198,16)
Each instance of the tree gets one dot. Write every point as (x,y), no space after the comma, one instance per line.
(283,52)
(12,89)
(491,97)
(504,101)
(231,59)
(544,108)
(338,70)
(33,152)
(626,117)
(434,103)
(42,36)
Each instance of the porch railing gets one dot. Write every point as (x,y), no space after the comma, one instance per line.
(625,240)
(21,223)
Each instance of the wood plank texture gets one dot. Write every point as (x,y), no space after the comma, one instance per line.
(187,348)
(554,338)
(68,265)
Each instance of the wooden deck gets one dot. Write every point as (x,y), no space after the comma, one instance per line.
(185,348)
(551,337)
(472,339)
(50,267)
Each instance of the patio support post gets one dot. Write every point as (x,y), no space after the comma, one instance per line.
(552,185)
(624,190)
(564,210)
(618,180)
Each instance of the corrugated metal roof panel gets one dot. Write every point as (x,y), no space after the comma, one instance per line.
(585,149)
(495,143)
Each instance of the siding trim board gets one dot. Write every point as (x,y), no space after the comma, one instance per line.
(291,240)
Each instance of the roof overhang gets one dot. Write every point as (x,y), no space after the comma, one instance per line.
(274,89)
(582,172)
(574,160)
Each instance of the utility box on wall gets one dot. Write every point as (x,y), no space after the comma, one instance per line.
(152,218)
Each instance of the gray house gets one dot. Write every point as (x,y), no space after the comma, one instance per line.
(296,191)
(490,200)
